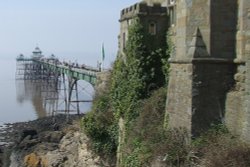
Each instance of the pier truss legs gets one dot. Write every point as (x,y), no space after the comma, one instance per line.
(50,92)
(73,87)
(65,94)
(68,96)
(60,93)
(77,98)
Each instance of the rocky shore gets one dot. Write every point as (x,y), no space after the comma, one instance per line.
(46,142)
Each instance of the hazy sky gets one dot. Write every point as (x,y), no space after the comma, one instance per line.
(71,29)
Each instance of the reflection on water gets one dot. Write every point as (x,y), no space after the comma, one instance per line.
(32,91)
(48,97)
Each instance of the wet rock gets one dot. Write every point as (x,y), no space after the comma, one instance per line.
(28,132)
(51,136)
(49,141)
(56,158)
(28,143)
(15,160)
(1,154)
(10,133)
(56,127)
(45,147)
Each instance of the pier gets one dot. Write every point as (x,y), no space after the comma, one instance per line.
(60,80)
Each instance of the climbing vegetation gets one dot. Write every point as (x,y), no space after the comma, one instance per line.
(102,129)
(134,77)
(136,74)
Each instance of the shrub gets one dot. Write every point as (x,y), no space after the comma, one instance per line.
(226,152)
(217,147)
(147,139)
(101,126)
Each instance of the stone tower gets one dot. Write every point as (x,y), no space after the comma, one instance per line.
(153,17)
(207,54)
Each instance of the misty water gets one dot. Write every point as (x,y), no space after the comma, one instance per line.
(25,100)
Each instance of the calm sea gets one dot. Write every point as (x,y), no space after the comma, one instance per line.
(27,100)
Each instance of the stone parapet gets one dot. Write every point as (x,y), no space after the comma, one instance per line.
(142,9)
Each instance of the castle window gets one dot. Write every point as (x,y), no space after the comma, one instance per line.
(171,2)
(135,6)
(172,15)
(129,22)
(171,5)
(124,40)
(152,28)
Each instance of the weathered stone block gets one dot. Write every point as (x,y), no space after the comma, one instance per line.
(235,112)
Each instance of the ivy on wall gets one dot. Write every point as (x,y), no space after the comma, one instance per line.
(133,79)
(138,73)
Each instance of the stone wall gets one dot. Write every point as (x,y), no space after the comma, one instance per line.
(243,28)
(202,67)
(183,88)
(223,28)
(179,99)
(246,119)
(237,104)
(198,16)
(211,82)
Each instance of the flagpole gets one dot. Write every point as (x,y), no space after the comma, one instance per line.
(103,57)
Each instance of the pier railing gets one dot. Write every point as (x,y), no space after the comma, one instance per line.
(78,72)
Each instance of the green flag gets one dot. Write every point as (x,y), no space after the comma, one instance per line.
(103,52)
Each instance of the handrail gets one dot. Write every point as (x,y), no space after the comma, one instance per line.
(82,72)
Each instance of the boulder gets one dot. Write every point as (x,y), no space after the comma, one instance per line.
(51,136)
(27,132)
(27,143)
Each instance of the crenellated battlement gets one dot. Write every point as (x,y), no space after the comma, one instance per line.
(153,16)
(142,8)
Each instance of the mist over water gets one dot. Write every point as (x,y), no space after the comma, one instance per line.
(25,100)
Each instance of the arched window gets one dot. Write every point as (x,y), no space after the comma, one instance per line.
(152,28)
